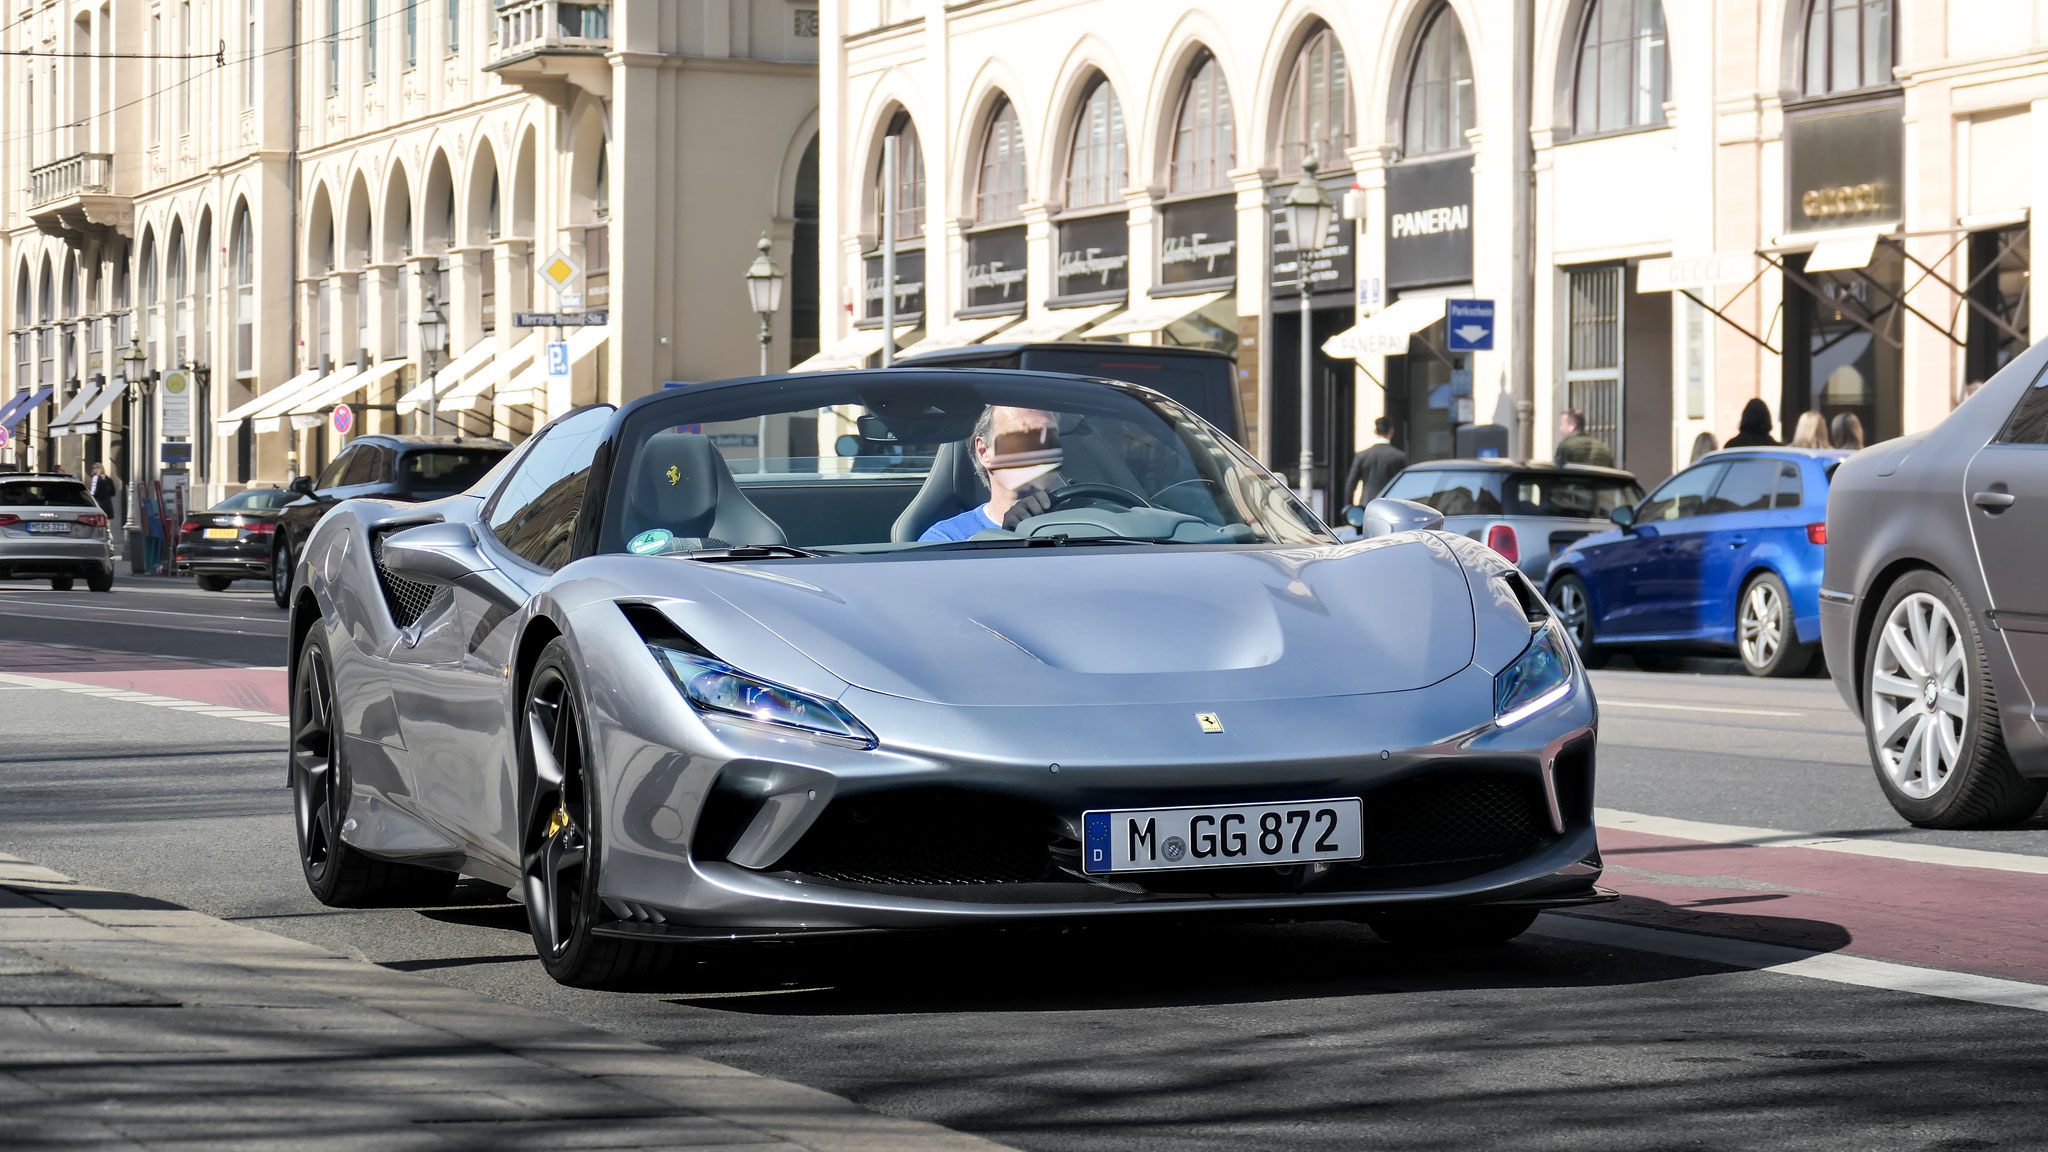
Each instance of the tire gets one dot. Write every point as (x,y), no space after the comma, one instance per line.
(337,874)
(561,846)
(102,580)
(1574,610)
(1451,927)
(61,583)
(1935,741)
(1765,638)
(214,583)
(281,572)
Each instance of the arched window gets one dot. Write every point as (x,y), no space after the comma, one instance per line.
(146,273)
(1205,130)
(601,188)
(23,364)
(46,335)
(1000,194)
(1849,45)
(1440,99)
(67,300)
(176,288)
(1097,168)
(909,178)
(242,253)
(202,293)
(1623,81)
(1318,112)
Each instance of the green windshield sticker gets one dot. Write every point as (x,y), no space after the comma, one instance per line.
(649,542)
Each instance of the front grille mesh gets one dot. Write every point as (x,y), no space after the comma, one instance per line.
(407,599)
(930,836)
(1453,818)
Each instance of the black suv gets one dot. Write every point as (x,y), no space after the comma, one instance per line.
(386,467)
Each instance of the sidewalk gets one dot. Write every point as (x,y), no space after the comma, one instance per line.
(131,1023)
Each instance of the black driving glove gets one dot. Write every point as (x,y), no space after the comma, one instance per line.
(1031,501)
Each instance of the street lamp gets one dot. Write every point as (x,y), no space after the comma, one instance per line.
(1309,213)
(433,338)
(764,288)
(134,369)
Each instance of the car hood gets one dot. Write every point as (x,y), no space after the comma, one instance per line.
(1119,626)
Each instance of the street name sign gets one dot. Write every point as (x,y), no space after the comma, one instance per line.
(596,318)
(1468,324)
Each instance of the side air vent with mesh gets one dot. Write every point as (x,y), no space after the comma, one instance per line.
(407,599)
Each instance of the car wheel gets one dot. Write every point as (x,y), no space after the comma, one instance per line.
(1451,927)
(1575,611)
(1931,714)
(1764,635)
(102,580)
(213,583)
(61,583)
(561,849)
(338,874)
(281,573)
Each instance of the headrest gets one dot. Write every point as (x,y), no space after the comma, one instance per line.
(680,476)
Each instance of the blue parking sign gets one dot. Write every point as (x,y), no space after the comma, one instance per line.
(1469,324)
(558,358)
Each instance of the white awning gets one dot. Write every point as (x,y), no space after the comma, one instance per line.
(340,387)
(267,404)
(1154,313)
(271,417)
(1845,253)
(468,396)
(961,333)
(86,420)
(1386,332)
(70,413)
(852,352)
(531,386)
(1056,323)
(444,380)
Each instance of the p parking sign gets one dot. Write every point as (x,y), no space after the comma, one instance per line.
(558,360)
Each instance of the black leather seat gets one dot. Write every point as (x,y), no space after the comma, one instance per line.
(954,486)
(681,483)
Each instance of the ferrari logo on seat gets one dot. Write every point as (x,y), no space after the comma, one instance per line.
(1209,721)
(675,474)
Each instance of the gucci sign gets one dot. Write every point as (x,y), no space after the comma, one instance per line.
(1847,200)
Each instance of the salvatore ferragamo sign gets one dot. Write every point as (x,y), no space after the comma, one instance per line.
(1198,241)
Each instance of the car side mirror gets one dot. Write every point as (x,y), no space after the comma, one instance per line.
(1385,516)
(438,553)
(303,485)
(1624,516)
(1354,515)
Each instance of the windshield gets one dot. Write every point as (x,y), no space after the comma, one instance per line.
(256,500)
(1476,492)
(43,494)
(446,471)
(935,461)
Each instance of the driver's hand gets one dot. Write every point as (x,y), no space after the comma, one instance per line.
(1031,501)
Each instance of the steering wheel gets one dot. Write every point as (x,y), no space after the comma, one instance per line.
(1074,493)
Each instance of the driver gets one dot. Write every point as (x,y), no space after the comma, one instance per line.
(1016,450)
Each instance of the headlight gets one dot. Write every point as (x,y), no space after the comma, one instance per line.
(722,691)
(1539,677)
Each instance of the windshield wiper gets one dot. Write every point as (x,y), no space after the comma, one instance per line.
(750,552)
(1056,540)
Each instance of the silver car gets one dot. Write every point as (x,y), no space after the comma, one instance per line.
(920,648)
(1526,512)
(51,529)
(1933,609)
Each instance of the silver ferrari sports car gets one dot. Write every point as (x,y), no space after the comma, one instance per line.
(919,648)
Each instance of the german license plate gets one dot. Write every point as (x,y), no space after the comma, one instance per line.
(51,527)
(222,533)
(1222,836)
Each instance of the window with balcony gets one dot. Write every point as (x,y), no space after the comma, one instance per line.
(908,178)
(1850,44)
(999,195)
(1440,104)
(1318,112)
(1097,163)
(1205,130)
(1623,80)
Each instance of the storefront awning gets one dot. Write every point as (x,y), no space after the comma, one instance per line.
(1844,253)
(1153,313)
(339,388)
(445,379)
(271,416)
(18,409)
(852,352)
(531,386)
(961,333)
(468,395)
(61,425)
(267,404)
(1048,324)
(88,420)
(1386,332)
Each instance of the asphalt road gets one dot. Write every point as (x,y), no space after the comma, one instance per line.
(149,615)
(1164,1038)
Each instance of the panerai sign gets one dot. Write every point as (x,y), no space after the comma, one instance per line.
(1844,167)
(995,268)
(1429,223)
(1198,240)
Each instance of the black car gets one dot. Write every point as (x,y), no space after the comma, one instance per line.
(231,540)
(1198,379)
(387,468)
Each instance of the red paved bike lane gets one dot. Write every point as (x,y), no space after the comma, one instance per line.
(257,689)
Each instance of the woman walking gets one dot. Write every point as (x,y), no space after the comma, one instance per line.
(1811,431)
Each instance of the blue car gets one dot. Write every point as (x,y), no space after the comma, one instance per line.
(1726,554)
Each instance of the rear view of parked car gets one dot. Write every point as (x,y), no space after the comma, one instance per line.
(50,528)
(231,540)
(1934,610)
(1525,512)
(1725,555)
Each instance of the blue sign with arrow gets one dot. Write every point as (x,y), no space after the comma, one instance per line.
(1469,323)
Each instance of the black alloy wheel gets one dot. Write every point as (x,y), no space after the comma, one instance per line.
(1430,928)
(1574,610)
(561,849)
(213,583)
(336,873)
(281,571)
(101,580)
(60,583)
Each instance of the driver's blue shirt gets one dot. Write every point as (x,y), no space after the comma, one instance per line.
(961,527)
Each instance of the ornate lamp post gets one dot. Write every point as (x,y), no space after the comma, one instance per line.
(1309,213)
(433,339)
(764,288)
(135,370)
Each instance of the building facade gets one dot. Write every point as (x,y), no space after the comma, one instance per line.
(290,207)
(1822,204)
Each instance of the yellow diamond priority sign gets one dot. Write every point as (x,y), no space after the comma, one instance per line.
(561,271)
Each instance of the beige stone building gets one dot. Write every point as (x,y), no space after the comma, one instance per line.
(269,213)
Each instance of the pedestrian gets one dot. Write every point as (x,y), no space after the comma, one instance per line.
(1755,429)
(1847,431)
(1811,431)
(1701,445)
(100,487)
(1575,445)
(1374,467)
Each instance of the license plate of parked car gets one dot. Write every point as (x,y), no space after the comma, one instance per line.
(1222,836)
(52,527)
(222,533)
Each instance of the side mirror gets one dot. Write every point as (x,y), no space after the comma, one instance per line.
(1354,515)
(1624,516)
(440,553)
(1384,517)
(303,485)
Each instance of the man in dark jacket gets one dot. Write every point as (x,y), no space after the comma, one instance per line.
(1578,446)
(1755,429)
(1379,463)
